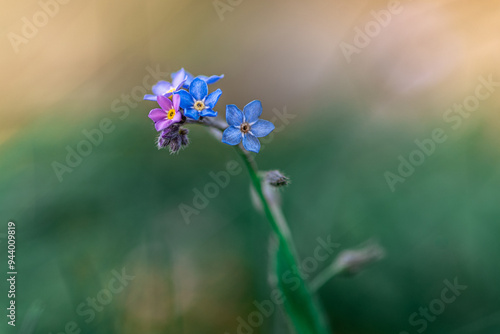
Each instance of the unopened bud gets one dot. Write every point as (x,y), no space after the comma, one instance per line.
(276,179)
(174,137)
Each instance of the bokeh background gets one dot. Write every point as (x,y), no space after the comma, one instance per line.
(119,208)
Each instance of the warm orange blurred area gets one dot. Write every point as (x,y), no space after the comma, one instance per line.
(366,94)
(80,56)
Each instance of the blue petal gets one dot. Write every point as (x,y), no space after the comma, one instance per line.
(252,111)
(150,97)
(212,99)
(212,79)
(251,143)
(186,99)
(231,136)
(175,74)
(179,79)
(161,87)
(198,89)
(192,113)
(262,128)
(208,112)
(189,79)
(234,116)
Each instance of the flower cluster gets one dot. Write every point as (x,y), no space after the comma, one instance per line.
(187,100)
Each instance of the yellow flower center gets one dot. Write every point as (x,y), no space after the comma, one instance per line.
(245,127)
(199,105)
(171,114)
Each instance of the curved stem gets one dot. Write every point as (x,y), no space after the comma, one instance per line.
(279,226)
(272,211)
(212,123)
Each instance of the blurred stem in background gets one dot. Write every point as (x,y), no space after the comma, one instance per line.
(349,263)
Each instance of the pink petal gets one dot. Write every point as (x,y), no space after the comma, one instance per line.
(164,103)
(157,114)
(177,100)
(162,124)
(177,118)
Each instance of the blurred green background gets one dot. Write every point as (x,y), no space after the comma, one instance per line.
(118,210)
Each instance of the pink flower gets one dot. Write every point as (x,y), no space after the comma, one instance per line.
(168,114)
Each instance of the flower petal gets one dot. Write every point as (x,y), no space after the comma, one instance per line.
(164,102)
(176,100)
(212,99)
(161,87)
(252,111)
(162,124)
(234,116)
(179,86)
(251,143)
(189,79)
(192,113)
(179,80)
(198,89)
(208,112)
(187,100)
(150,97)
(231,136)
(179,75)
(173,75)
(212,79)
(177,118)
(157,114)
(261,128)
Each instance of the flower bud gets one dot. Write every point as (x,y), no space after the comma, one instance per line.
(276,179)
(183,134)
(175,137)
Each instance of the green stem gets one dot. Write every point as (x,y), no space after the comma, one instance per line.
(280,227)
(272,212)
(312,319)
